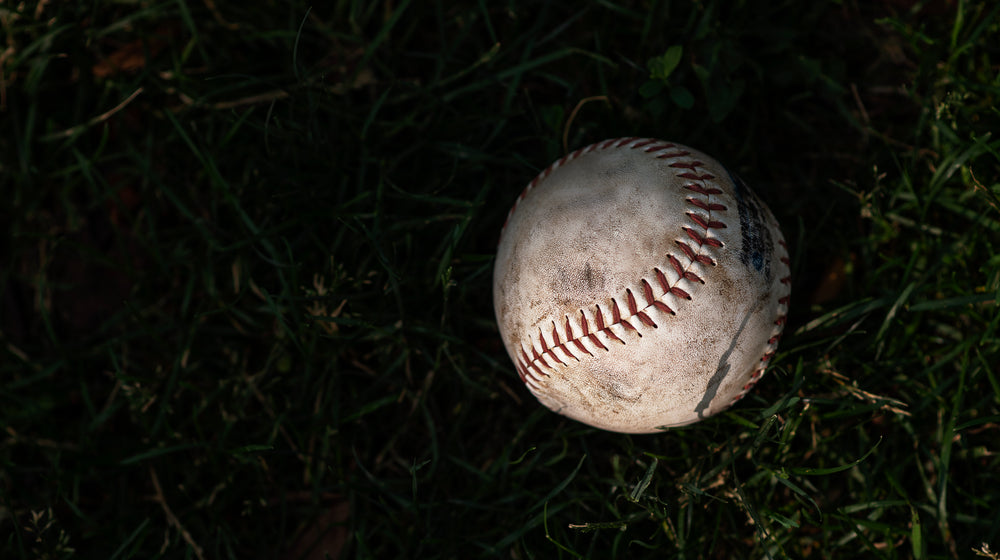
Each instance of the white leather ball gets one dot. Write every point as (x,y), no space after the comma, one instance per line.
(639,285)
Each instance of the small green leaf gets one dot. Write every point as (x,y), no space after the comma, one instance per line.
(661,67)
(657,106)
(650,88)
(682,96)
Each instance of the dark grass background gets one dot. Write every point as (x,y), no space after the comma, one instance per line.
(247,263)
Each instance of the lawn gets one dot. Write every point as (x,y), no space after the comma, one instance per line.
(245,295)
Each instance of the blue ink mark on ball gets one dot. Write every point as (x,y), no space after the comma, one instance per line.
(756,249)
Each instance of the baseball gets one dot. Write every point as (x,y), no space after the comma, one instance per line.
(640,285)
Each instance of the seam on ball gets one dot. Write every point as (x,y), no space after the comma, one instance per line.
(779,325)
(641,302)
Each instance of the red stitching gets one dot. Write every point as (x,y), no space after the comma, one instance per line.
(706,206)
(700,220)
(686,165)
(705,222)
(593,338)
(631,302)
(693,277)
(662,278)
(675,291)
(707,191)
(701,239)
(559,343)
(694,235)
(524,371)
(657,147)
(544,363)
(643,143)
(645,319)
(677,266)
(669,155)
(685,274)
(663,307)
(696,177)
(545,347)
(612,334)
(647,291)
(688,251)
(586,331)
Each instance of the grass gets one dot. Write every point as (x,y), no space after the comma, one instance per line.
(246,283)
